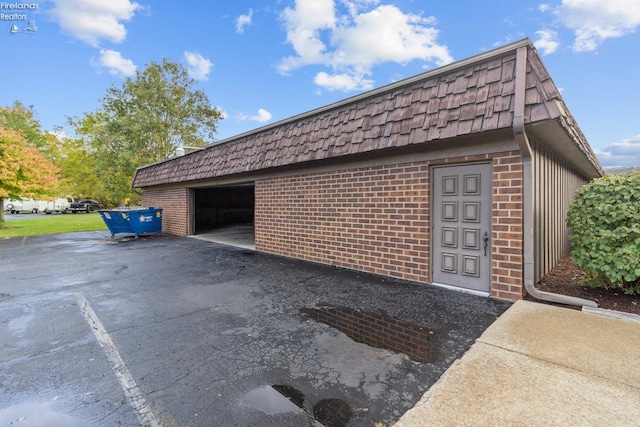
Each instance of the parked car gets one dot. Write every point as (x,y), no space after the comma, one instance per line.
(85,205)
(24,205)
(58,205)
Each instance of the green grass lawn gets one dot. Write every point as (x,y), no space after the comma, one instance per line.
(52,224)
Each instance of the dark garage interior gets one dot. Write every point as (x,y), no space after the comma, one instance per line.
(223,206)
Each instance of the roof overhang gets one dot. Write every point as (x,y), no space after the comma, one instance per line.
(553,135)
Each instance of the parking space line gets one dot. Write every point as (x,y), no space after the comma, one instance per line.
(128,384)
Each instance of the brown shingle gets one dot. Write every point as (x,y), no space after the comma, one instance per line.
(469,96)
(483,94)
(468,112)
(472,79)
(464,127)
(502,103)
(532,96)
(494,75)
(379,119)
(431,82)
(460,85)
(434,106)
(443,103)
(417,121)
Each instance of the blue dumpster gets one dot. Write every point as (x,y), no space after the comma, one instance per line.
(133,220)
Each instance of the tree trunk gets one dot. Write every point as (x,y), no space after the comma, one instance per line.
(1,212)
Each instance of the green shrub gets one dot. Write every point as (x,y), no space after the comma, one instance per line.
(604,218)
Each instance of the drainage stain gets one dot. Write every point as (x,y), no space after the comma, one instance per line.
(378,330)
(275,399)
(332,412)
(38,414)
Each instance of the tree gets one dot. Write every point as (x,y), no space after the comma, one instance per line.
(77,166)
(72,158)
(22,119)
(144,121)
(24,170)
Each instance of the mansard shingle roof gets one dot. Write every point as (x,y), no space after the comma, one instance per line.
(467,97)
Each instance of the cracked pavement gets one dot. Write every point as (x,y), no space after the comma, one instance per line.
(203,328)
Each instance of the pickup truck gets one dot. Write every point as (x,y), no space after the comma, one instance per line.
(85,205)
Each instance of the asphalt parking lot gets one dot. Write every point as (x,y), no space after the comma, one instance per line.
(174,331)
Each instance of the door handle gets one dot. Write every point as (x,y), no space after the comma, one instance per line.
(485,239)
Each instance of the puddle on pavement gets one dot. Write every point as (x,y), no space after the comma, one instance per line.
(41,414)
(277,399)
(379,330)
(281,399)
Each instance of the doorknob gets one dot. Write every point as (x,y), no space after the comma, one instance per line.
(485,239)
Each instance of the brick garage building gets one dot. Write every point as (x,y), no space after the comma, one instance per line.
(460,176)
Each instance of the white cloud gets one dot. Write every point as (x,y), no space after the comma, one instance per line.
(594,21)
(262,116)
(342,81)
(544,7)
(197,65)
(95,20)
(242,21)
(397,37)
(623,153)
(303,25)
(115,63)
(352,43)
(547,41)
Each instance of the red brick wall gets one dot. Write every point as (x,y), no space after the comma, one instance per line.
(376,219)
(371,219)
(175,205)
(507,230)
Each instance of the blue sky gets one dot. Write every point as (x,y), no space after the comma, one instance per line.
(264,61)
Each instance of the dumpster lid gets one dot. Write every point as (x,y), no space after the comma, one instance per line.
(130,208)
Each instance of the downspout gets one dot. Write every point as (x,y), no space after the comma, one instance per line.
(528,196)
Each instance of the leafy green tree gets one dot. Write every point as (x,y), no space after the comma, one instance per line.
(77,167)
(144,121)
(23,119)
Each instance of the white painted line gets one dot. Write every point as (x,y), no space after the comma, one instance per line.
(131,391)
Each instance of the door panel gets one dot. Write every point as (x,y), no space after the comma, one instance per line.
(462,226)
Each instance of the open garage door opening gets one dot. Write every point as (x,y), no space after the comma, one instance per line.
(225,214)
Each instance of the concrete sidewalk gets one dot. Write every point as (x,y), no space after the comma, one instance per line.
(540,365)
